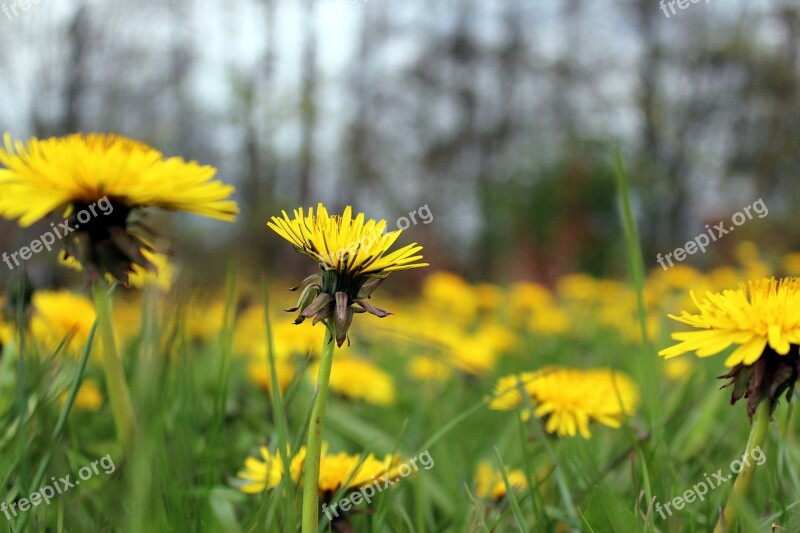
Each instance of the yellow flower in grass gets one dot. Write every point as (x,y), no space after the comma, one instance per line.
(549,320)
(489,482)
(428,369)
(58,316)
(790,264)
(678,369)
(450,295)
(204,317)
(357,379)
(287,340)
(260,373)
(6,332)
(336,471)
(762,320)
(89,397)
(99,182)
(569,398)
(353,256)
(526,297)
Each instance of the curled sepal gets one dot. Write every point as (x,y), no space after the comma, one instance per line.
(314,279)
(369,287)
(308,295)
(372,309)
(320,309)
(342,318)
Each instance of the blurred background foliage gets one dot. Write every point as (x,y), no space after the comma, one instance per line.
(499,115)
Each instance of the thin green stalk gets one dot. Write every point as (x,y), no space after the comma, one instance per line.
(118,393)
(62,419)
(284,440)
(314,445)
(757,435)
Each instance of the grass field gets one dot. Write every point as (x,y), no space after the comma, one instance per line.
(610,437)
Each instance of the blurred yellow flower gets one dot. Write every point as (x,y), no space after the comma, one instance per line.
(489,482)
(89,397)
(489,298)
(678,369)
(570,398)
(265,472)
(106,177)
(357,379)
(259,372)
(428,369)
(549,320)
(59,315)
(6,331)
(204,317)
(449,295)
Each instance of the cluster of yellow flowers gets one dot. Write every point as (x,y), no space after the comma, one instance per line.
(455,329)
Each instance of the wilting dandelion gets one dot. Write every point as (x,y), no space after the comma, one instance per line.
(569,398)
(353,257)
(762,320)
(113,178)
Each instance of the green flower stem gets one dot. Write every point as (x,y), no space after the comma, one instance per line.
(314,445)
(757,435)
(116,383)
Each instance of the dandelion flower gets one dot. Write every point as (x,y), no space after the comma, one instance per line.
(353,255)
(570,398)
(428,369)
(259,373)
(61,315)
(489,482)
(111,177)
(336,471)
(762,320)
(357,379)
(89,397)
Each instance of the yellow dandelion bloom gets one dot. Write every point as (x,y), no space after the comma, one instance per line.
(59,315)
(489,482)
(51,174)
(428,369)
(353,246)
(259,372)
(790,264)
(570,398)
(204,317)
(98,181)
(336,471)
(6,332)
(755,315)
(450,295)
(357,379)
(526,297)
(678,369)
(89,397)
(762,320)
(549,320)
(353,254)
